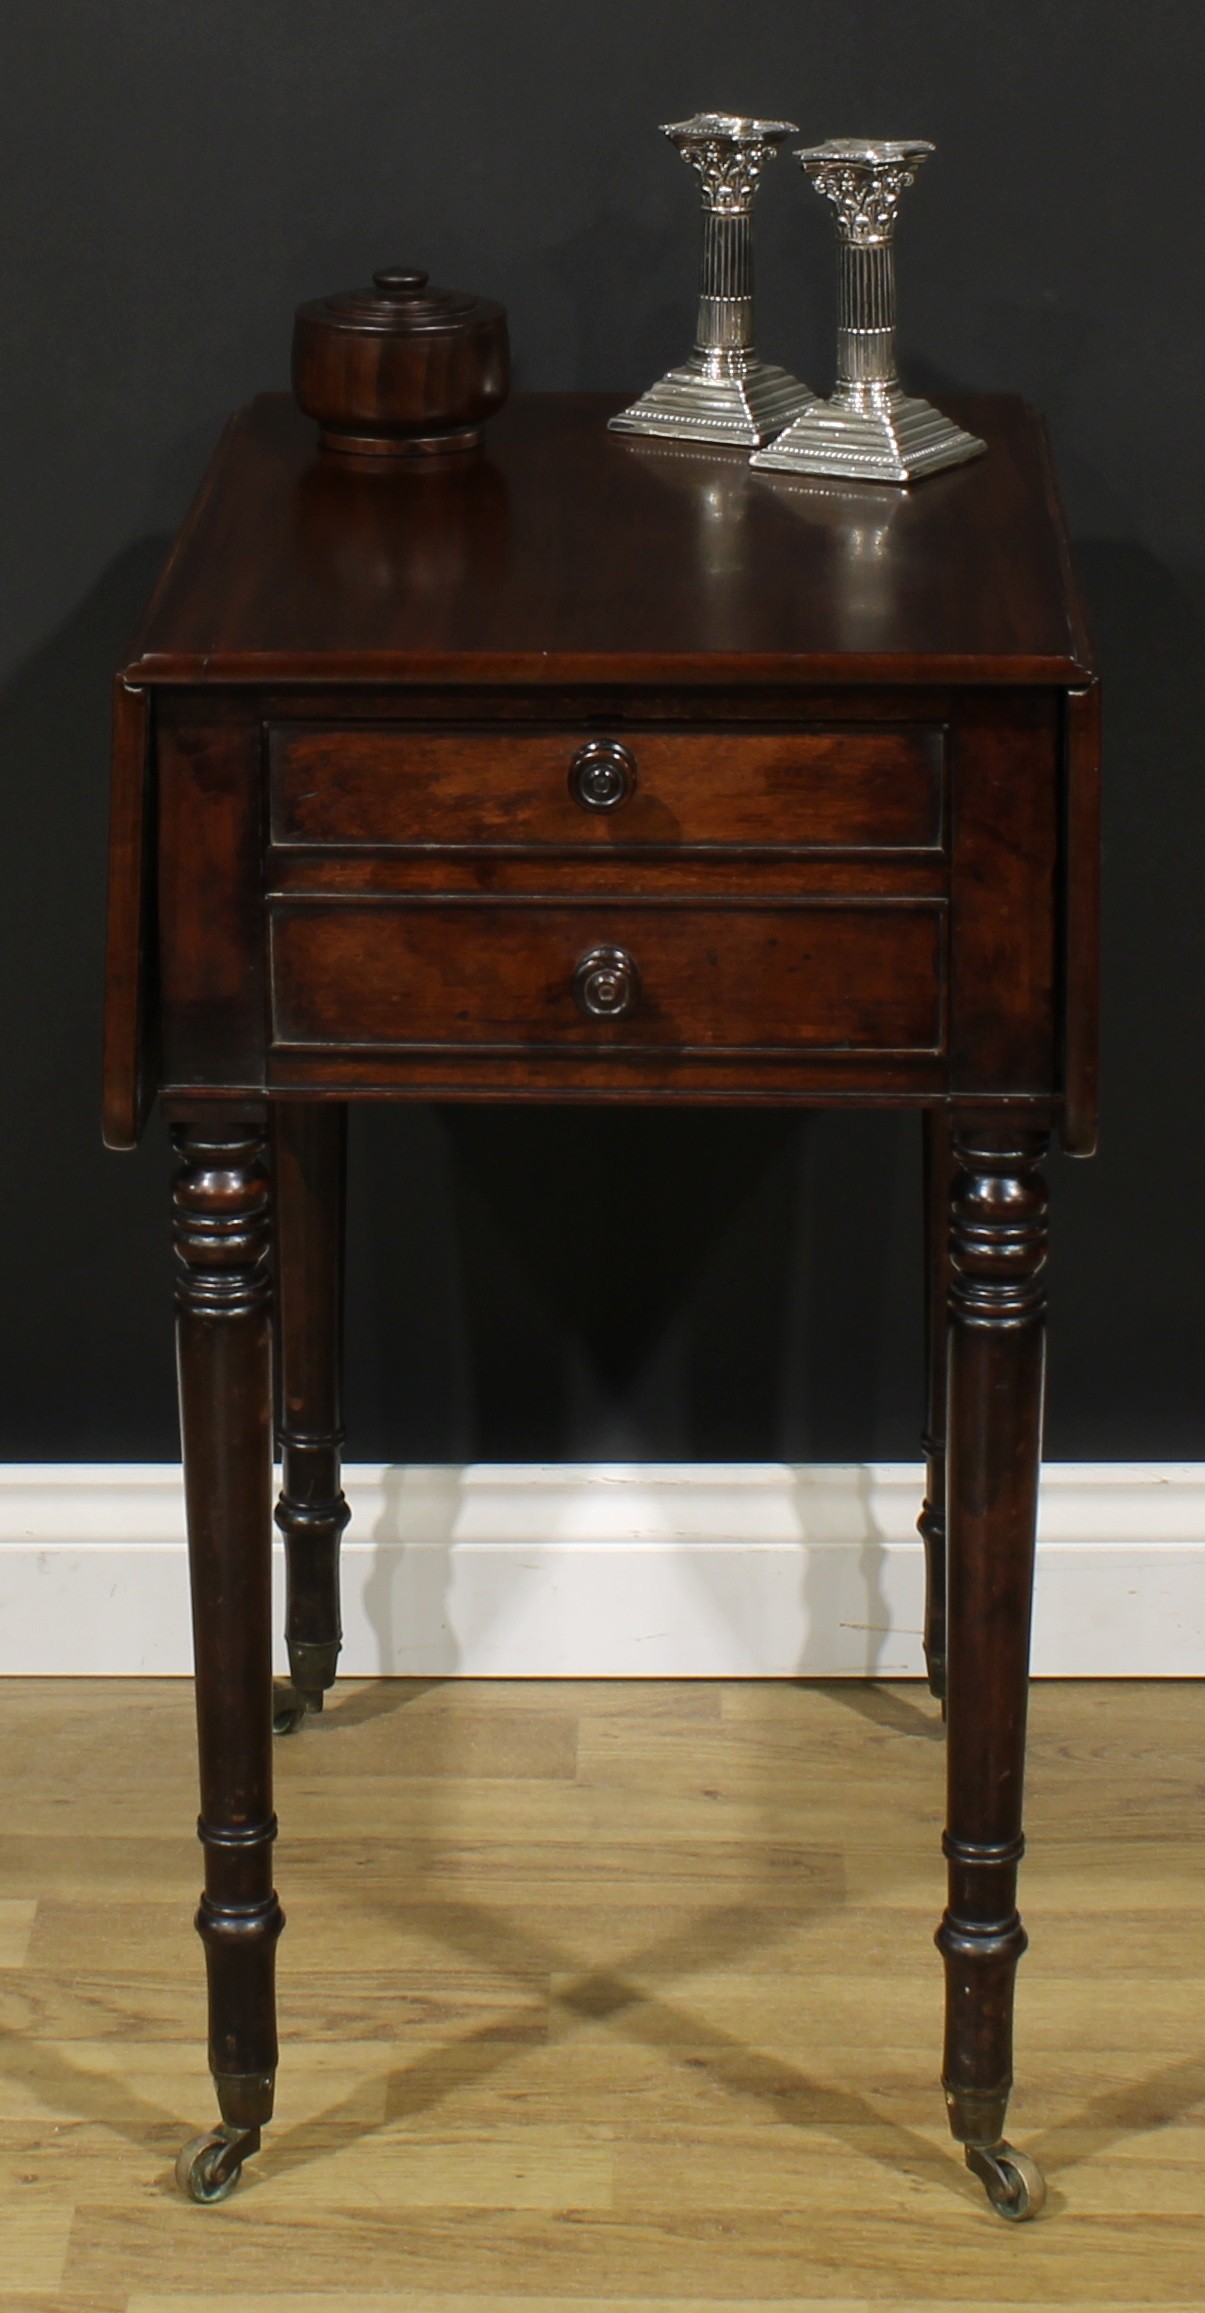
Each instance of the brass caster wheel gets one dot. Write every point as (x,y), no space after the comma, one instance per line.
(288,1708)
(1014,2183)
(209,2166)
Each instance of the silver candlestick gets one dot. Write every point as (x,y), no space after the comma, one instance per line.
(871,429)
(723,392)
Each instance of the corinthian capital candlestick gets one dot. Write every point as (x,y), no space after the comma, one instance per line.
(723,392)
(871,429)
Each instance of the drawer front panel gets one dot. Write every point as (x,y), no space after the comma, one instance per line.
(475,973)
(848,789)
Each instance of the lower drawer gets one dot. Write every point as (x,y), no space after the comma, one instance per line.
(530,975)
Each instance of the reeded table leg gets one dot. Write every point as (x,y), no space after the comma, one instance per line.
(311,1170)
(997,1288)
(932,1521)
(222,1231)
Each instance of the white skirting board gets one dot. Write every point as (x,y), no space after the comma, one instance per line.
(657,1570)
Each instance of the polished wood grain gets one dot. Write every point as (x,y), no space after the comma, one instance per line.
(400,368)
(998,875)
(211,966)
(642,2014)
(441,622)
(221,1209)
(843,789)
(996,1302)
(538,565)
(500,975)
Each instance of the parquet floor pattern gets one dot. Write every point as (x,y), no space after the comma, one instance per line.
(599,1995)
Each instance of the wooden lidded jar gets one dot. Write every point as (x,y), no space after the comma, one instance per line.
(400,370)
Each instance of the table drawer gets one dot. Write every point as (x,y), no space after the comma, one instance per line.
(515,976)
(854,788)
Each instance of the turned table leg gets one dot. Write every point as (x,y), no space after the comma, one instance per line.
(222,1233)
(997,1306)
(932,1521)
(311,1167)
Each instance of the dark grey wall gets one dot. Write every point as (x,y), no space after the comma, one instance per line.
(175,178)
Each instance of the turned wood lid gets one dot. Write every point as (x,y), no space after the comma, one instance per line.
(399,368)
(402,302)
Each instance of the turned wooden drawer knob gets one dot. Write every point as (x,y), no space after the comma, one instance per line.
(606,984)
(602,775)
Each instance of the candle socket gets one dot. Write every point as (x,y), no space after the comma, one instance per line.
(870,429)
(723,392)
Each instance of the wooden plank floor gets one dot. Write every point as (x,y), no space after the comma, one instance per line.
(599,1995)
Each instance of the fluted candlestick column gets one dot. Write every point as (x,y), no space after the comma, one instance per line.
(723,392)
(726,293)
(870,429)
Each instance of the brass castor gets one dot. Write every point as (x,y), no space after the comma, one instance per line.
(288,1707)
(1014,2183)
(209,2166)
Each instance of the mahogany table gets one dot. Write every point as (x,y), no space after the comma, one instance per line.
(598,769)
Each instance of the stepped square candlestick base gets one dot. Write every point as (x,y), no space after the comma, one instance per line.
(893,438)
(723,392)
(870,430)
(712,399)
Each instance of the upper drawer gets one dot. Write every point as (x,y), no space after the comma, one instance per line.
(849,789)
